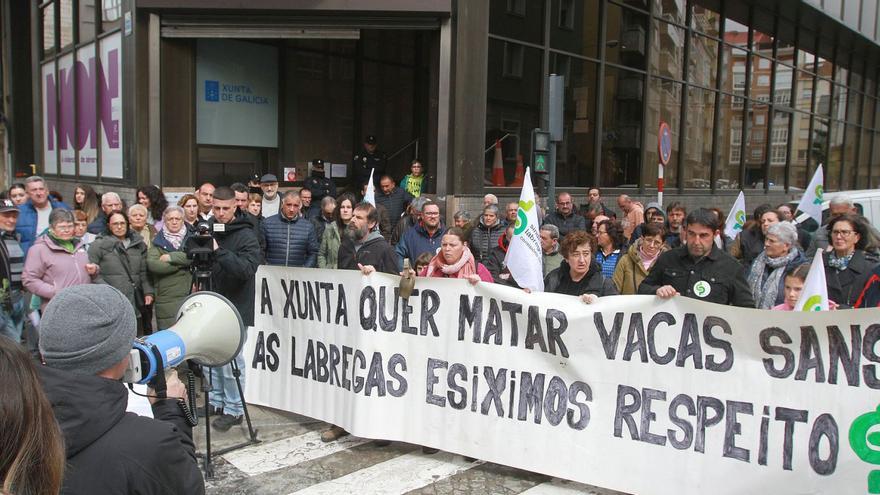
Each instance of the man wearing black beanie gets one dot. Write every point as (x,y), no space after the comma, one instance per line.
(86,333)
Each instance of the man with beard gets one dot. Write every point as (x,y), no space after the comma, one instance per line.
(699,269)
(363,247)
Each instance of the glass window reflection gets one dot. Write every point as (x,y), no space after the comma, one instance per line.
(625,36)
(664,104)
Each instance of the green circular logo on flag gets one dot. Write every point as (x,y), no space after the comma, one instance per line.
(818,191)
(813,303)
(522,222)
(739,219)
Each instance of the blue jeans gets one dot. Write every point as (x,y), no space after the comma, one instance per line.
(224,391)
(12,322)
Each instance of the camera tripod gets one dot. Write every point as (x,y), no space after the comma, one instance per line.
(201,281)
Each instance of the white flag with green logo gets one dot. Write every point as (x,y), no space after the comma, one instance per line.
(811,201)
(815,294)
(736,218)
(524,255)
(370,194)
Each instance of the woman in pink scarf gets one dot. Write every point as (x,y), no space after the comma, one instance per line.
(454,260)
(633,267)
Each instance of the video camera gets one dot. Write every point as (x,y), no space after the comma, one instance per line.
(200,248)
(209,331)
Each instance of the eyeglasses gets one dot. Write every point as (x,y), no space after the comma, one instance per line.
(653,242)
(842,233)
(63,227)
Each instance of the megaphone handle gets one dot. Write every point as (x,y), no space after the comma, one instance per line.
(158,383)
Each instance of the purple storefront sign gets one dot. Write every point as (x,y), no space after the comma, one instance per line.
(73,124)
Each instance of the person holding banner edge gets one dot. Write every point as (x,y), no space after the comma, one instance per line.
(700,269)
(579,274)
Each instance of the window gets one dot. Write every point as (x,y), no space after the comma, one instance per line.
(760,119)
(513,60)
(763,63)
(516,7)
(566,14)
(782,97)
(48,14)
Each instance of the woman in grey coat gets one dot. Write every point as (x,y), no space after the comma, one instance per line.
(121,255)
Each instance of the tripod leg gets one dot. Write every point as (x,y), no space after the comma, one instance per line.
(236,372)
(206,388)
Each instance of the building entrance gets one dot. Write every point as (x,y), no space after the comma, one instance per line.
(275,105)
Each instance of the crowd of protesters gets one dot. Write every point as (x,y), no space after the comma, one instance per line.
(589,250)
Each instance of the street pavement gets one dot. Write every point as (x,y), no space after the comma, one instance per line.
(291,459)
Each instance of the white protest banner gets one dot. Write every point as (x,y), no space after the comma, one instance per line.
(736,218)
(632,393)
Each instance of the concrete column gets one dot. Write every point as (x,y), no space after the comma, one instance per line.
(468,93)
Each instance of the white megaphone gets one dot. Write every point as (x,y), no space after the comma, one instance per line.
(209,331)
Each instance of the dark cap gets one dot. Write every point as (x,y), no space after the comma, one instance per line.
(370,139)
(7,205)
(269,178)
(318,164)
(254,178)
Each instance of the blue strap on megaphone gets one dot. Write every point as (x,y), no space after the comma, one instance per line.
(171,351)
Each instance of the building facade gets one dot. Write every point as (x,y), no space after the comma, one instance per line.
(756,94)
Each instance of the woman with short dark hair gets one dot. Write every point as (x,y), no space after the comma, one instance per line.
(579,274)
(121,255)
(847,265)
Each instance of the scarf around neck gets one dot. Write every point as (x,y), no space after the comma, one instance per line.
(765,292)
(839,263)
(462,268)
(174,238)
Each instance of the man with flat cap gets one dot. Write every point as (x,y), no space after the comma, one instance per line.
(368,159)
(271,200)
(86,334)
(318,183)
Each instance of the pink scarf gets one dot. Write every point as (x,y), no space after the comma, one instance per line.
(462,268)
(174,238)
(647,261)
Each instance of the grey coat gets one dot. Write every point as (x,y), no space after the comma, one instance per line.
(124,268)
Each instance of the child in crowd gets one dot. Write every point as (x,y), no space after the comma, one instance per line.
(422,262)
(794,286)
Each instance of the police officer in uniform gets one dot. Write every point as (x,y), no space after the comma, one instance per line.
(699,269)
(370,158)
(319,184)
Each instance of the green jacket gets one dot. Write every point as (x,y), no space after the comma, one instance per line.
(172,279)
(328,253)
(121,267)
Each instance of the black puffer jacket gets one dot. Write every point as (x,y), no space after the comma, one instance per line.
(484,238)
(110,451)
(594,284)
